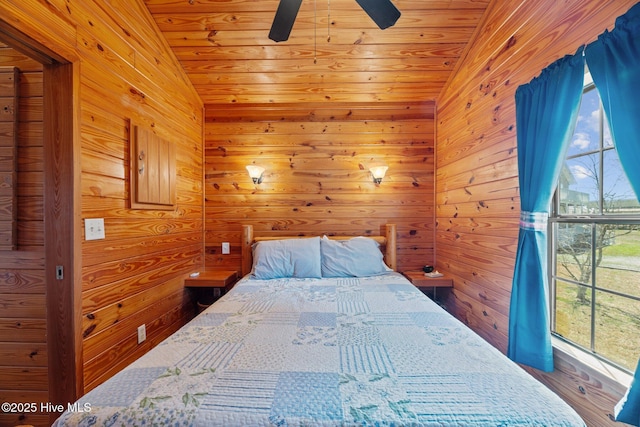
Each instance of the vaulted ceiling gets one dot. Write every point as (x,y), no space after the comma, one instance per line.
(335,53)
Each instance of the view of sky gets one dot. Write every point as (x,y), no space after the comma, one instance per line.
(585,144)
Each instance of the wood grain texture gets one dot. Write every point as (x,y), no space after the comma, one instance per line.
(126,73)
(315,111)
(140,265)
(335,54)
(15,419)
(9,117)
(317,178)
(477,194)
(23,314)
(62,219)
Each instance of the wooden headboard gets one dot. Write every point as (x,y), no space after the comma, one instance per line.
(386,239)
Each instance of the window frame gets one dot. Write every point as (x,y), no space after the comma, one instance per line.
(593,220)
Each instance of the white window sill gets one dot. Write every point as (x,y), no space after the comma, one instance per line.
(609,371)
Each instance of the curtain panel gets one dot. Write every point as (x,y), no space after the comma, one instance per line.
(614,63)
(546,113)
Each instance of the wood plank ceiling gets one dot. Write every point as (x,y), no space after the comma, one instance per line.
(335,53)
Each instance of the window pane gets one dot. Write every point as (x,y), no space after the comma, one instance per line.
(590,255)
(618,196)
(578,186)
(619,258)
(573,313)
(617,329)
(574,256)
(586,136)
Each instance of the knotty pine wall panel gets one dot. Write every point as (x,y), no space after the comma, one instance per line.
(134,276)
(23,341)
(477,191)
(317,179)
(127,76)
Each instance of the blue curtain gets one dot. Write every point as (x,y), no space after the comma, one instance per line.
(546,113)
(614,62)
(628,409)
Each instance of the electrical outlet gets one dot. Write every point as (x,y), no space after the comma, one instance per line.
(226,249)
(93,228)
(142,333)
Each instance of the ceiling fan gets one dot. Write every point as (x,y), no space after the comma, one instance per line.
(383,13)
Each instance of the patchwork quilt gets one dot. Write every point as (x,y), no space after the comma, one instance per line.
(323,352)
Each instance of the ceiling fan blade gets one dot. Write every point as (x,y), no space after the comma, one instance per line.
(284,19)
(383,12)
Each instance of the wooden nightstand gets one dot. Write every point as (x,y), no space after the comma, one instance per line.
(210,285)
(423,282)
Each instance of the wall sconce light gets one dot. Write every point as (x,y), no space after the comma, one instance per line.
(378,173)
(255,172)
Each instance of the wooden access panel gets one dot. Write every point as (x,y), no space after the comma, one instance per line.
(153,171)
(8,155)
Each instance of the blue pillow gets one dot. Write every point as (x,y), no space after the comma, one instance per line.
(274,259)
(357,257)
(627,410)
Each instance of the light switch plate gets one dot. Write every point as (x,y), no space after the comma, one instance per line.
(142,333)
(226,250)
(93,228)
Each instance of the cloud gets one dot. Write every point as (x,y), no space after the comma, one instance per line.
(581,140)
(594,120)
(580,172)
(591,121)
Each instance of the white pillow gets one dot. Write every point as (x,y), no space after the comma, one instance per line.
(274,259)
(357,257)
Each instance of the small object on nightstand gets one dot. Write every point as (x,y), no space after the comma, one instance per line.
(427,281)
(196,274)
(427,268)
(422,280)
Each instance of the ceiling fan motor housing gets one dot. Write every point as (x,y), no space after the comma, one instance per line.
(383,13)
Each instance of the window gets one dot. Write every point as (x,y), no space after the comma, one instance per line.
(595,244)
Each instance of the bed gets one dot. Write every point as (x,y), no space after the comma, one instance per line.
(323,332)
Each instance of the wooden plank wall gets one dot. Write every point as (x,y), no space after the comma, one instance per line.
(9,112)
(477,199)
(134,276)
(23,342)
(317,181)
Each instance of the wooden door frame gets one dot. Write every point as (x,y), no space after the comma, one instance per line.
(62,215)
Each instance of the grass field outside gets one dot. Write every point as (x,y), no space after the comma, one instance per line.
(616,318)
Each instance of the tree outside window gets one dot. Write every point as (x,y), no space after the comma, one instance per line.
(595,245)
